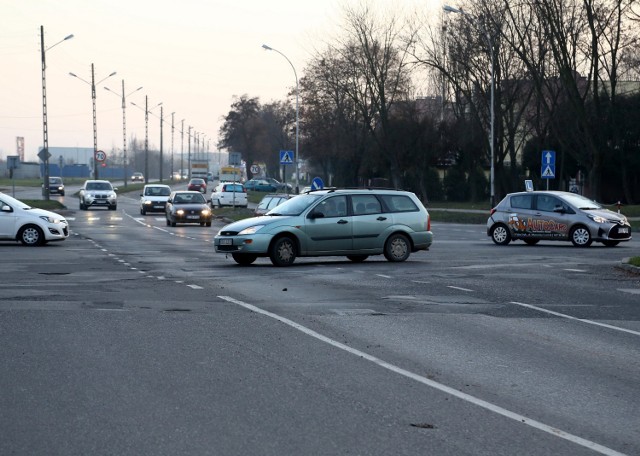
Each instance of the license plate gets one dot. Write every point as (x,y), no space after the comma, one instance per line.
(226,241)
(158,207)
(623,230)
(193,217)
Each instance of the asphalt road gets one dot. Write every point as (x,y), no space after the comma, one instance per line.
(136,338)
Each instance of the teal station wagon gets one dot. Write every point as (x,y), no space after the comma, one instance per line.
(354,223)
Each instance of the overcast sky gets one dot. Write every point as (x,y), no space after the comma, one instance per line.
(191,55)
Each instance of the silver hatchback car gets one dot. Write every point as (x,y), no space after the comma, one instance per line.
(556,216)
(354,223)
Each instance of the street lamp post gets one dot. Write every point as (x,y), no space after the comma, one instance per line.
(95,124)
(146,135)
(161,157)
(269,48)
(181,149)
(172,133)
(124,125)
(44,154)
(451,9)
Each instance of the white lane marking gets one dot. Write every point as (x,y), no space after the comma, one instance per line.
(384,276)
(630,290)
(589,322)
(420,281)
(195,287)
(425,381)
(576,270)
(458,288)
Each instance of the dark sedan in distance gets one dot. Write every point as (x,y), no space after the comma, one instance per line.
(187,207)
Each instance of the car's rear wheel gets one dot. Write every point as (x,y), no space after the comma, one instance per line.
(244,259)
(208,223)
(610,243)
(531,241)
(357,258)
(397,248)
(282,251)
(31,235)
(113,208)
(580,236)
(500,234)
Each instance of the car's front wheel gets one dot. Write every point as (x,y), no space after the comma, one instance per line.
(283,251)
(31,235)
(244,259)
(580,236)
(500,234)
(397,248)
(113,207)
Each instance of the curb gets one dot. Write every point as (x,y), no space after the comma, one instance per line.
(628,267)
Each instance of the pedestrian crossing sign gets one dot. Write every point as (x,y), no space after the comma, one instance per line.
(286,157)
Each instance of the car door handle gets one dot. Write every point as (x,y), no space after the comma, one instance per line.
(381,219)
(342,222)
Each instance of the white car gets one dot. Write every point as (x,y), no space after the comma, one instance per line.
(98,193)
(229,194)
(154,198)
(20,222)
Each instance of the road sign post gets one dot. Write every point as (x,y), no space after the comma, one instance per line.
(548,169)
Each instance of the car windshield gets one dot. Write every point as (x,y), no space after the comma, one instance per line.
(157,191)
(55,180)
(99,186)
(294,206)
(6,199)
(581,202)
(189,198)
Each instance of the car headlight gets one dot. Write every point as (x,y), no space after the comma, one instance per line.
(251,229)
(49,219)
(206,212)
(112,195)
(147,202)
(598,219)
(180,212)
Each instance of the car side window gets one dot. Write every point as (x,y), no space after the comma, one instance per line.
(547,203)
(522,201)
(333,207)
(399,203)
(365,204)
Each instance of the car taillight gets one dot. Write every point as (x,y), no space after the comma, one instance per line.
(428,223)
(493,211)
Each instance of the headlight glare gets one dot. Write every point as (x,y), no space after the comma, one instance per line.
(251,229)
(598,219)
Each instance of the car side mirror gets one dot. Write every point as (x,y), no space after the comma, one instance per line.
(316,214)
(6,208)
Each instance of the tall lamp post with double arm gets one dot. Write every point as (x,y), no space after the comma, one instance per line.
(269,48)
(44,153)
(124,125)
(146,135)
(451,9)
(95,123)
